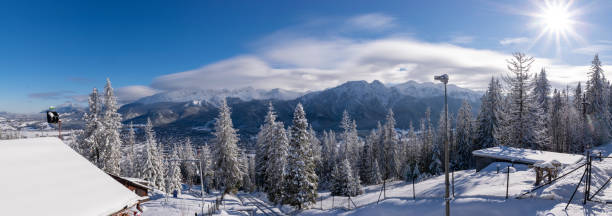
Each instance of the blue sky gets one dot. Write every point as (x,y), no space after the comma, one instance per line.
(54,52)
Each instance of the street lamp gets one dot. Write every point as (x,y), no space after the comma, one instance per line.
(444,79)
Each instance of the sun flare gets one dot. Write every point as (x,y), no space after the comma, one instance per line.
(556,21)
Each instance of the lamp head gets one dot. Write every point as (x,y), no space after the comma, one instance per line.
(442,78)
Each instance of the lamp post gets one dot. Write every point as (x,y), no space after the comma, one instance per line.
(444,79)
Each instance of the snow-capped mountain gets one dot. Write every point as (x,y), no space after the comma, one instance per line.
(367,103)
(429,89)
(214,96)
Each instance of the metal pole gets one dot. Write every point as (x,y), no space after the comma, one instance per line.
(446,153)
(60,129)
(586,180)
(508,182)
(413,191)
(202,185)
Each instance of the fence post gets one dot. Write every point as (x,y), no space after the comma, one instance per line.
(413,191)
(507,182)
(332,201)
(453,173)
(586,181)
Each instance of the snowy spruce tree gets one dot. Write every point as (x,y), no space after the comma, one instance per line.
(301,179)
(264,139)
(487,122)
(328,158)
(277,162)
(367,160)
(435,166)
(390,142)
(524,123)
(597,104)
(464,137)
(173,172)
(187,155)
(344,183)
(228,174)
(129,162)
(91,139)
(151,164)
(111,141)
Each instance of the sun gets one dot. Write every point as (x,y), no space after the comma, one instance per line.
(556,20)
(556,17)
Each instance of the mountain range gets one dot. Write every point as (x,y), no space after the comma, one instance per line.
(192,112)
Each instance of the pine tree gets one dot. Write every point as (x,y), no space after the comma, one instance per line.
(277,163)
(90,142)
(390,142)
(367,160)
(328,158)
(206,163)
(345,184)
(376,176)
(301,179)
(264,138)
(542,90)
(596,97)
(464,136)
(173,174)
(488,117)
(228,174)
(435,165)
(151,162)
(524,124)
(111,143)
(129,163)
(187,155)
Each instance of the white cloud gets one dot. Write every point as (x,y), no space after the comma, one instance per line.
(514,41)
(302,62)
(314,63)
(372,21)
(131,93)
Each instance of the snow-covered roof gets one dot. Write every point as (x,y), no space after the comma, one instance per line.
(44,176)
(529,156)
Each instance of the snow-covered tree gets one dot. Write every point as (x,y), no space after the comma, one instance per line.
(301,179)
(228,174)
(328,158)
(129,163)
(206,163)
(435,166)
(542,90)
(376,177)
(151,163)
(464,137)
(367,160)
(277,161)
(91,139)
(525,125)
(344,183)
(488,117)
(188,167)
(111,142)
(390,142)
(173,173)
(264,138)
(597,108)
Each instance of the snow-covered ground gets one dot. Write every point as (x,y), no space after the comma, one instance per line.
(476,193)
